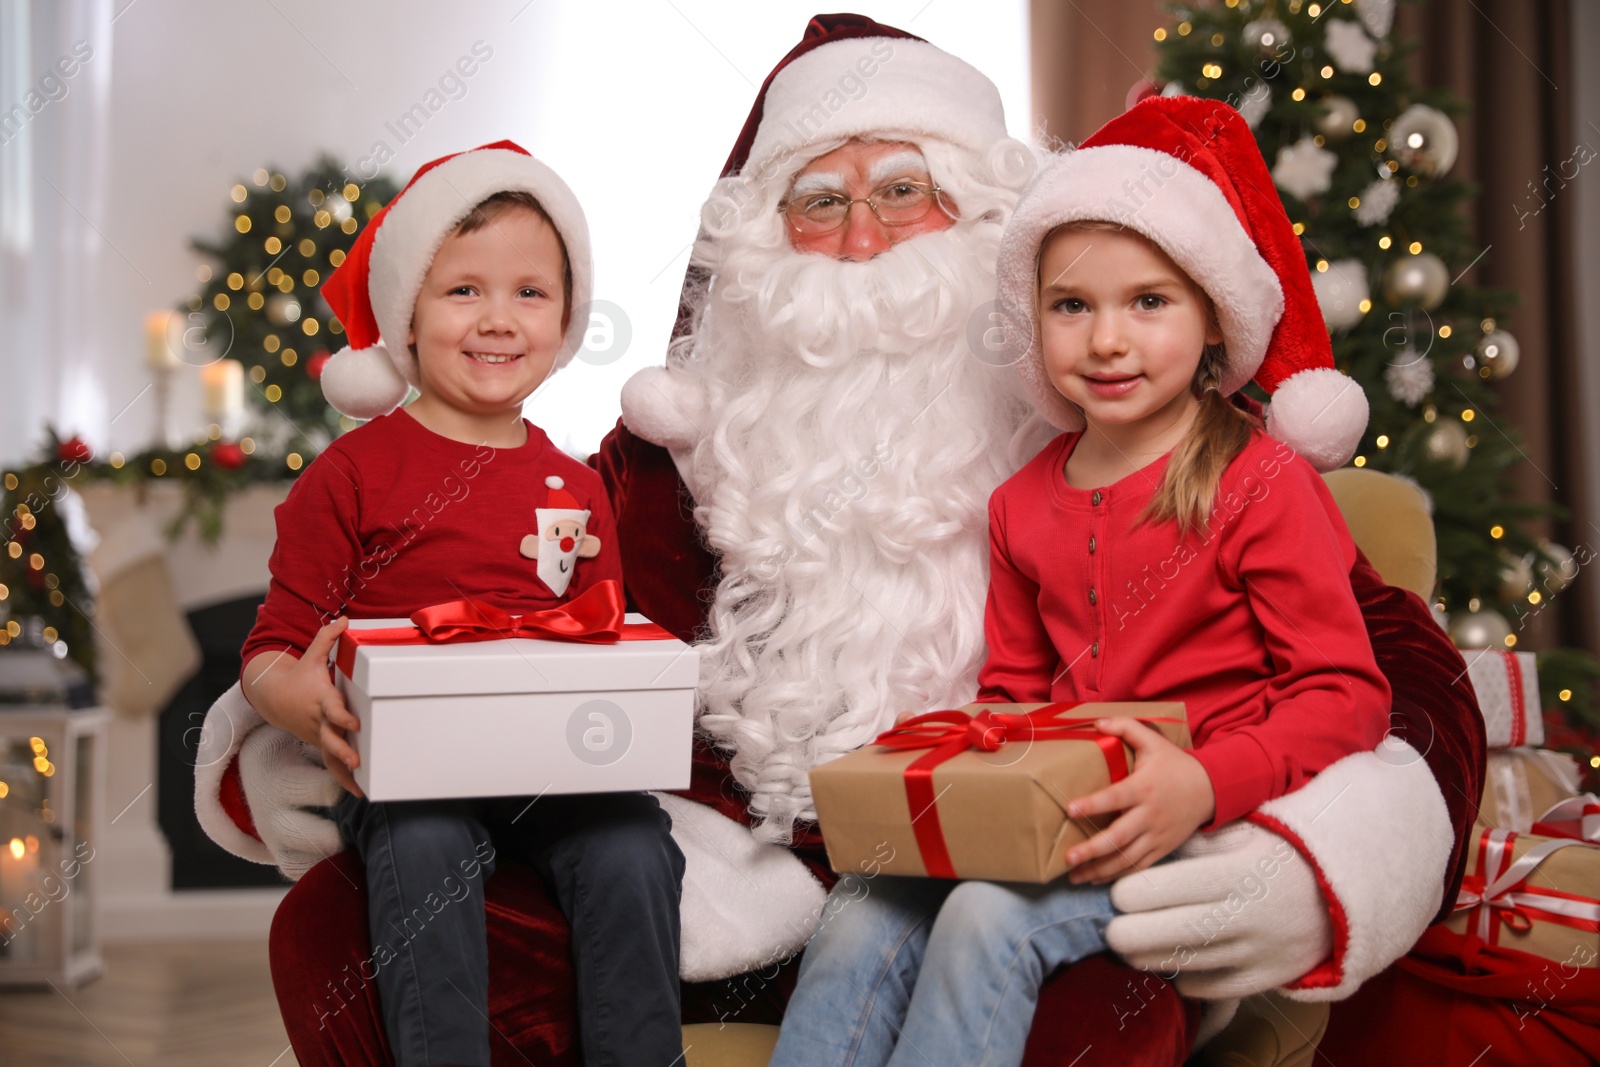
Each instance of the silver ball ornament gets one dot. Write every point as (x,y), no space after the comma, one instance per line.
(1267,36)
(1498,351)
(1420,279)
(1424,141)
(1479,629)
(1557,575)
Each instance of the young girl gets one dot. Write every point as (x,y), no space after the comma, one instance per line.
(1165,548)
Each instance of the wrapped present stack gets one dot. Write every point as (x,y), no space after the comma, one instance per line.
(1523,780)
(1513,976)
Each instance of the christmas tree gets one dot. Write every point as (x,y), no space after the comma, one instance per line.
(1362,161)
(262,303)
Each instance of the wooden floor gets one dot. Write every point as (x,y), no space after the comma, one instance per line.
(201,1004)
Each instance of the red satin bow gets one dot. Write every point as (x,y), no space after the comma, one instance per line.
(595,617)
(949,733)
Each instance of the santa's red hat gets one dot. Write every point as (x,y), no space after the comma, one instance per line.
(849,76)
(375,289)
(1186,173)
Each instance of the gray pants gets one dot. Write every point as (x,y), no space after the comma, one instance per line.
(611,864)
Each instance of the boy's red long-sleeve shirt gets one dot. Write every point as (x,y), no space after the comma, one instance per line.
(393,517)
(1249,620)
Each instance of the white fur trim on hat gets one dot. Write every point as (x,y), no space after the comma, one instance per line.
(418,222)
(364,383)
(869,85)
(1176,207)
(1321,414)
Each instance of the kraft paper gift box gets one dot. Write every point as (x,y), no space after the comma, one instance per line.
(1535,894)
(479,717)
(1507,688)
(1521,784)
(951,809)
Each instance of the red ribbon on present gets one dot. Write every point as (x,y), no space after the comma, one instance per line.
(1519,707)
(950,733)
(597,616)
(1578,818)
(1503,895)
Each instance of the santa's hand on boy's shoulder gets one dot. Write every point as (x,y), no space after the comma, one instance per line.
(1163,800)
(1237,912)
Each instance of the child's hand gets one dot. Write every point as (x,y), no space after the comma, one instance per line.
(1165,799)
(298,695)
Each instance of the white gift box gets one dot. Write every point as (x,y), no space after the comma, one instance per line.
(1507,687)
(519,717)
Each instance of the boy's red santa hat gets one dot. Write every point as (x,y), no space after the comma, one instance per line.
(1186,174)
(375,289)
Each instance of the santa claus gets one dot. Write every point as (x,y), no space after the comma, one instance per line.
(801,490)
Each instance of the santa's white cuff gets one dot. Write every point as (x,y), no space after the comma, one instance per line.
(228,722)
(747,905)
(1376,831)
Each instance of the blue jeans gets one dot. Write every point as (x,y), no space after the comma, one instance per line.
(914,972)
(608,859)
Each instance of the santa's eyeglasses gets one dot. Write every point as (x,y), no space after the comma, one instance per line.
(898,203)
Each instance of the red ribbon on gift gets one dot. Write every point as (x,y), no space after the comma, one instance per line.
(1503,895)
(950,733)
(1578,818)
(597,616)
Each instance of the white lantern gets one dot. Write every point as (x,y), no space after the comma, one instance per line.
(52,766)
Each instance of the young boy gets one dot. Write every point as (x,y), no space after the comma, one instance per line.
(464,287)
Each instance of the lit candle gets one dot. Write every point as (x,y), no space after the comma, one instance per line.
(157,350)
(19,868)
(222,387)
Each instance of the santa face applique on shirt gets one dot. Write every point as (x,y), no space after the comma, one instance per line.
(562,538)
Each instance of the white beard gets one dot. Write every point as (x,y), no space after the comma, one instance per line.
(851,441)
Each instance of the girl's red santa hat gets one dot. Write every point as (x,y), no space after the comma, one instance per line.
(375,289)
(1186,174)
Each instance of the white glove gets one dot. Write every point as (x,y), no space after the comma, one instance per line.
(1341,875)
(283,777)
(1238,912)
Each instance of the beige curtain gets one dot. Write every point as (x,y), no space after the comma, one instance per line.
(1511,62)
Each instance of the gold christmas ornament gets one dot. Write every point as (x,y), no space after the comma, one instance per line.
(1499,352)
(1516,577)
(1479,629)
(1336,117)
(1421,279)
(1447,443)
